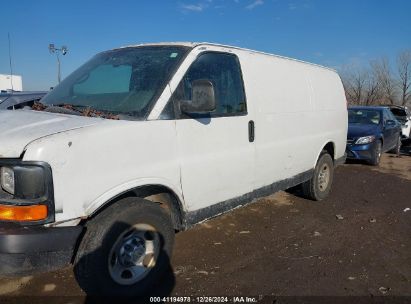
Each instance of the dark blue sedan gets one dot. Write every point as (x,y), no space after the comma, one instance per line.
(372,131)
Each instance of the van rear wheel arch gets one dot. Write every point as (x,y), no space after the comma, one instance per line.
(319,185)
(328,148)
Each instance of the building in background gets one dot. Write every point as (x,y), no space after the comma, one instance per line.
(11,82)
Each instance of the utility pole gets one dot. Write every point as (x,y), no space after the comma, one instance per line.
(53,50)
(11,65)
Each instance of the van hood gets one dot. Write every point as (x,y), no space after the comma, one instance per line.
(20,127)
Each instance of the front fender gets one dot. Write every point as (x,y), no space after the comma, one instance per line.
(93,206)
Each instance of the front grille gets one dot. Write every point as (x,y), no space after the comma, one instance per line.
(350,141)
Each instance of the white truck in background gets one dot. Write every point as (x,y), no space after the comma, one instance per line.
(10,82)
(146,140)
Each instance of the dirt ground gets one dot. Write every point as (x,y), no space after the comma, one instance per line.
(356,242)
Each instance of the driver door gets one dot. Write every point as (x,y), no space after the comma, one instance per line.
(216,154)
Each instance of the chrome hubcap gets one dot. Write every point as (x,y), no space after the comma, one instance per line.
(134,254)
(324,177)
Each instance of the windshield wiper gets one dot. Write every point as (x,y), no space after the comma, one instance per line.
(74,109)
(62,108)
(89,111)
(69,106)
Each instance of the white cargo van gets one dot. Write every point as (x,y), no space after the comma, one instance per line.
(146,140)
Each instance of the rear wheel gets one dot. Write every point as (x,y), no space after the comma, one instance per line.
(319,186)
(376,154)
(126,249)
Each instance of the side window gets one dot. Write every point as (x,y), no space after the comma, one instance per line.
(391,116)
(223,70)
(168,112)
(388,115)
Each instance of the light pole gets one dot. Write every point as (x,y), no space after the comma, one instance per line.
(53,50)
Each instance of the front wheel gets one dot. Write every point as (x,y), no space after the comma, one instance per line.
(319,186)
(376,154)
(126,249)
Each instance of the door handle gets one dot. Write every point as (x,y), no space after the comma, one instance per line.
(251,131)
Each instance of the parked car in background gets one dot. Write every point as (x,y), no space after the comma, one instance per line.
(403,115)
(10,100)
(143,141)
(372,131)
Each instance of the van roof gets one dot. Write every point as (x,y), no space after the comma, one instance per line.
(195,44)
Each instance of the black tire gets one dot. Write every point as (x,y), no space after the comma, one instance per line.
(376,154)
(97,252)
(315,188)
(397,148)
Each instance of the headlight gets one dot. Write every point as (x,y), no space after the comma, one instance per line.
(7,179)
(365,140)
(26,192)
(23,182)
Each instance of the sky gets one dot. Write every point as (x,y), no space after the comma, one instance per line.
(333,33)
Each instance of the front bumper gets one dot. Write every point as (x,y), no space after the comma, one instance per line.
(29,250)
(360,151)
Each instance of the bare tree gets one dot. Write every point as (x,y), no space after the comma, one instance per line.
(382,72)
(377,84)
(404,73)
(354,81)
(361,86)
(373,90)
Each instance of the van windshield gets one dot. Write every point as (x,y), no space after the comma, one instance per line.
(120,82)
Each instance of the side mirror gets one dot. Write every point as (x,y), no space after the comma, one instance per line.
(390,122)
(202,98)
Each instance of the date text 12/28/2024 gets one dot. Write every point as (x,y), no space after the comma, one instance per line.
(204,299)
